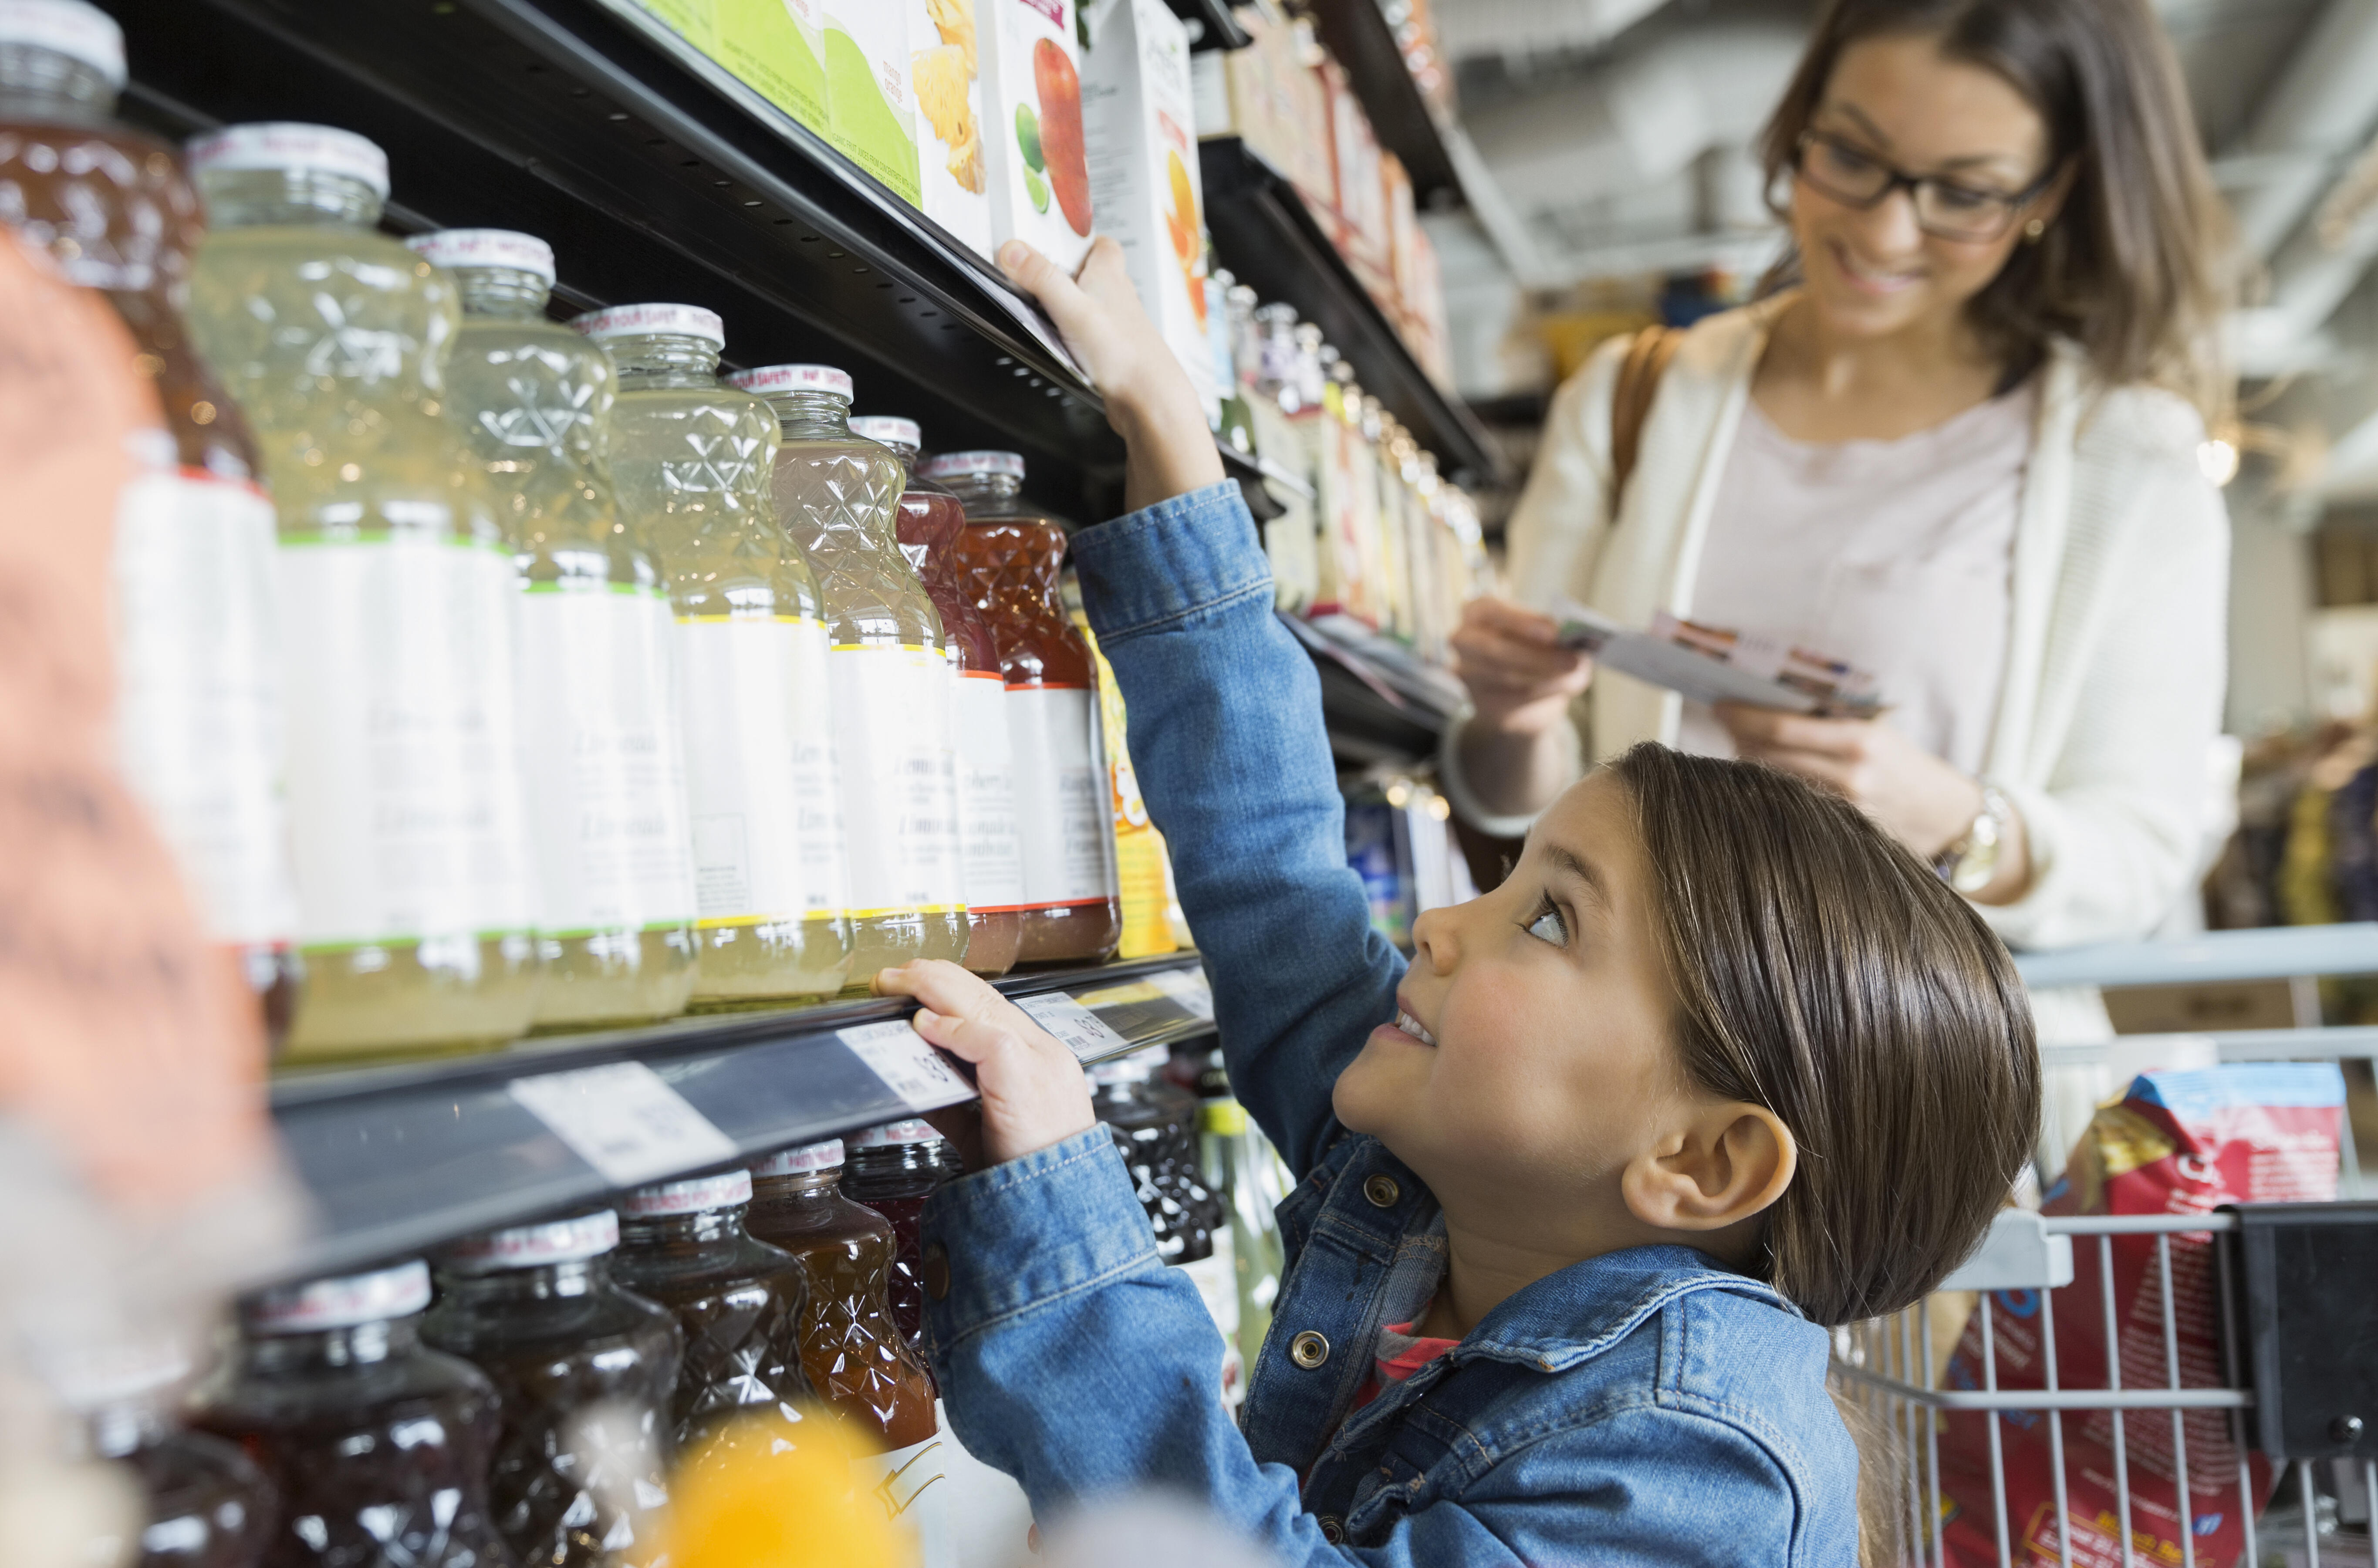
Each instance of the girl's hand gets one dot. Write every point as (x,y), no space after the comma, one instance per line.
(1521,680)
(1918,799)
(1034,1093)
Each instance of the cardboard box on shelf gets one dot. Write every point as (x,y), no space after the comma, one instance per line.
(1403,221)
(1038,168)
(946,74)
(696,21)
(1361,193)
(775,47)
(871,115)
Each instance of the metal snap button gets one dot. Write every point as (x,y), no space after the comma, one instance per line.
(936,1271)
(1331,1530)
(1308,1350)
(1382,1192)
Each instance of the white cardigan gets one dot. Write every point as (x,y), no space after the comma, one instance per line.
(2116,656)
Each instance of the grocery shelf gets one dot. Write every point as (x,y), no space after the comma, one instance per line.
(399,1157)
(1356,32)
(1268,237)
(1379,703)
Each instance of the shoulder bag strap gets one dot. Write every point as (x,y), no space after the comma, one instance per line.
(1639,382)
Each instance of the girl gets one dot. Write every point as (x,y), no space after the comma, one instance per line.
(1578,1190)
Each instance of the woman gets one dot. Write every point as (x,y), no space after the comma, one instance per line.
(1961,452)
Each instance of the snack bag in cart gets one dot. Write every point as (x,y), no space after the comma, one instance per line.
(2176,1143)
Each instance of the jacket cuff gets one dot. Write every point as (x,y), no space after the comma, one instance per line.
(1455,783)
(1025,1233)
(1162,564)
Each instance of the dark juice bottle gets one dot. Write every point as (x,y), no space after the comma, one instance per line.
(376,1446)
(584,1371)
(737,1300)
(1155,1125)
(198,708)
(894,1168)
(1010,554)
(930,520)
(203,1504)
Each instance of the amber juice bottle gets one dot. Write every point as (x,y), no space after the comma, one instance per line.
(203,1504)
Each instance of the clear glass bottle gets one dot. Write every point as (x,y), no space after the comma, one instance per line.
(204,1504)
(376,1446)
(693,460)
(396,592)
(199,698)
(605,763)
(1011,554)
(929,522)
(894,1168)
(1234,425)
(584,1371)
(836,497)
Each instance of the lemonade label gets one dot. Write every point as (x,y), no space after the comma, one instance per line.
(986,761)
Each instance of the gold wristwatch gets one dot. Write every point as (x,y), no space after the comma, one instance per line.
(1969,865)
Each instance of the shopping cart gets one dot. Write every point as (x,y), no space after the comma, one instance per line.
(2292,1379)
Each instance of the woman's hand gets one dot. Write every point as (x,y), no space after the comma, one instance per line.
(1919,799)
(1521,680)
(1034,1093)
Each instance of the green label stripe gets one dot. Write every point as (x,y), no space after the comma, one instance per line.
(406,941)
(300,538)
(560,585)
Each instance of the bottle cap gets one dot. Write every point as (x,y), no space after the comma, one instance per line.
(1276,311)
(803,1157)
(769,378)
(888,429)
(724,1190)
(92,1377)
(959,464)
(484,247)
(654,320)
(341,1303)
(293,148)
(526,1246)
(912,1130)
(66,27)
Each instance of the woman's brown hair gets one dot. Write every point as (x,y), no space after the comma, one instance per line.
(2136,266)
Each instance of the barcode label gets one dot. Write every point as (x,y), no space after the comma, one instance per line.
(1081,1031)
(908,1065)
(624,1121)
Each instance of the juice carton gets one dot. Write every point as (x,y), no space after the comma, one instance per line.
(774,47)
(945,70)
(869,114)
(696,21)
(1361,196)
(1039,175)
(1143,163)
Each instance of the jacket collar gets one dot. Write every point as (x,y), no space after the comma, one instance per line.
(1573,1315)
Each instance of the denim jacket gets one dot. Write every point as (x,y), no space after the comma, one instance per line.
(1645,1406)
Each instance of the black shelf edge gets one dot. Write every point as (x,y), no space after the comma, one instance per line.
(1358,34)
(1380,704)
(1268,237)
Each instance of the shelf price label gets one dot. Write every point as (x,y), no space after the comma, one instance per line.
(624,1121)
(1081,1031)
(908,1065)
(1188,987)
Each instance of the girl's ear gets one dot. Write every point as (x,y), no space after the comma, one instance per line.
(1727,1162)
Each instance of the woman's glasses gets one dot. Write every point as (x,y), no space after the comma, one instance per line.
(1944,209)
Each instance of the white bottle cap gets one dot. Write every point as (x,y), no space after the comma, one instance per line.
(769,378)
(692,1197)
(803,1157)
(1010,464)
(890,430)
(342,1303)
(295,147)
(913,1130)
(69,28)
(654,320)
(527,1246)
(484,247)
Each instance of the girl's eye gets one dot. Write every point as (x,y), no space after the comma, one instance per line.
(1548,927)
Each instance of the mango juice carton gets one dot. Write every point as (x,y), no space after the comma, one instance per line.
(870,111)
(1039,171)
(772,46)
(1141,118)
(945,74)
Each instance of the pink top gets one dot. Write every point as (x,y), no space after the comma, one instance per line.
(1896,556)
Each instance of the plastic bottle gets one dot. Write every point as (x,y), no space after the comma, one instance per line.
(584,1371)
(836,497)
(377,1447)
(199,698)
(606,762)
(894,1168)
(930,520)
(1011,553)
(204,1505)
(396,593)
(693,459)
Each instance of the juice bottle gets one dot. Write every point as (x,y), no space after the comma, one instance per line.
(693,460)
(584,1372)
(1011,554)
(1142,872)
(203,1504)
(198,697)
(396,595)
(929,520)
(605,770)
(1155,1126)
(737,1300)
(835,498)
(894,1168)
(377,1448)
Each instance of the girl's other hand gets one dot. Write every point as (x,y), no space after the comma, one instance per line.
(1034,1093)
(1521,680)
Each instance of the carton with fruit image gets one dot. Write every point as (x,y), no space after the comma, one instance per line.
(1038,176)
(775,46)
(870,118)
(945,70)
(1143,159)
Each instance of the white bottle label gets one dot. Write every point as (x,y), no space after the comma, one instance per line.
(1061,815)
(987,833)
(198,716)
(606,793)
(911,1485)
(404,790)
(899,780)
(753,698)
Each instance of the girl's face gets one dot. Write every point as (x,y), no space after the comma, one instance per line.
(1897,101)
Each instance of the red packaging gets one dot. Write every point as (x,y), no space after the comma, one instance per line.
(2178,1143)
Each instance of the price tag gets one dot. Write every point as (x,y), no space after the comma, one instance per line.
(1081,1031)
(624,1121)
(908,1065)
(1188,987)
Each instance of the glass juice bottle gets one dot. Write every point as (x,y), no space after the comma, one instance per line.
(203,1504)
(1155,1125)
(836,496)
(613,860)
(929,520)
(737,1300)
(396,594)
(894,1168)
(693,460)
(377,1447)
(1011,554)
(198,697)
(584,1372)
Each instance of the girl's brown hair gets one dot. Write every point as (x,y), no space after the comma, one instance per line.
(2136,266)
(1825,972)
